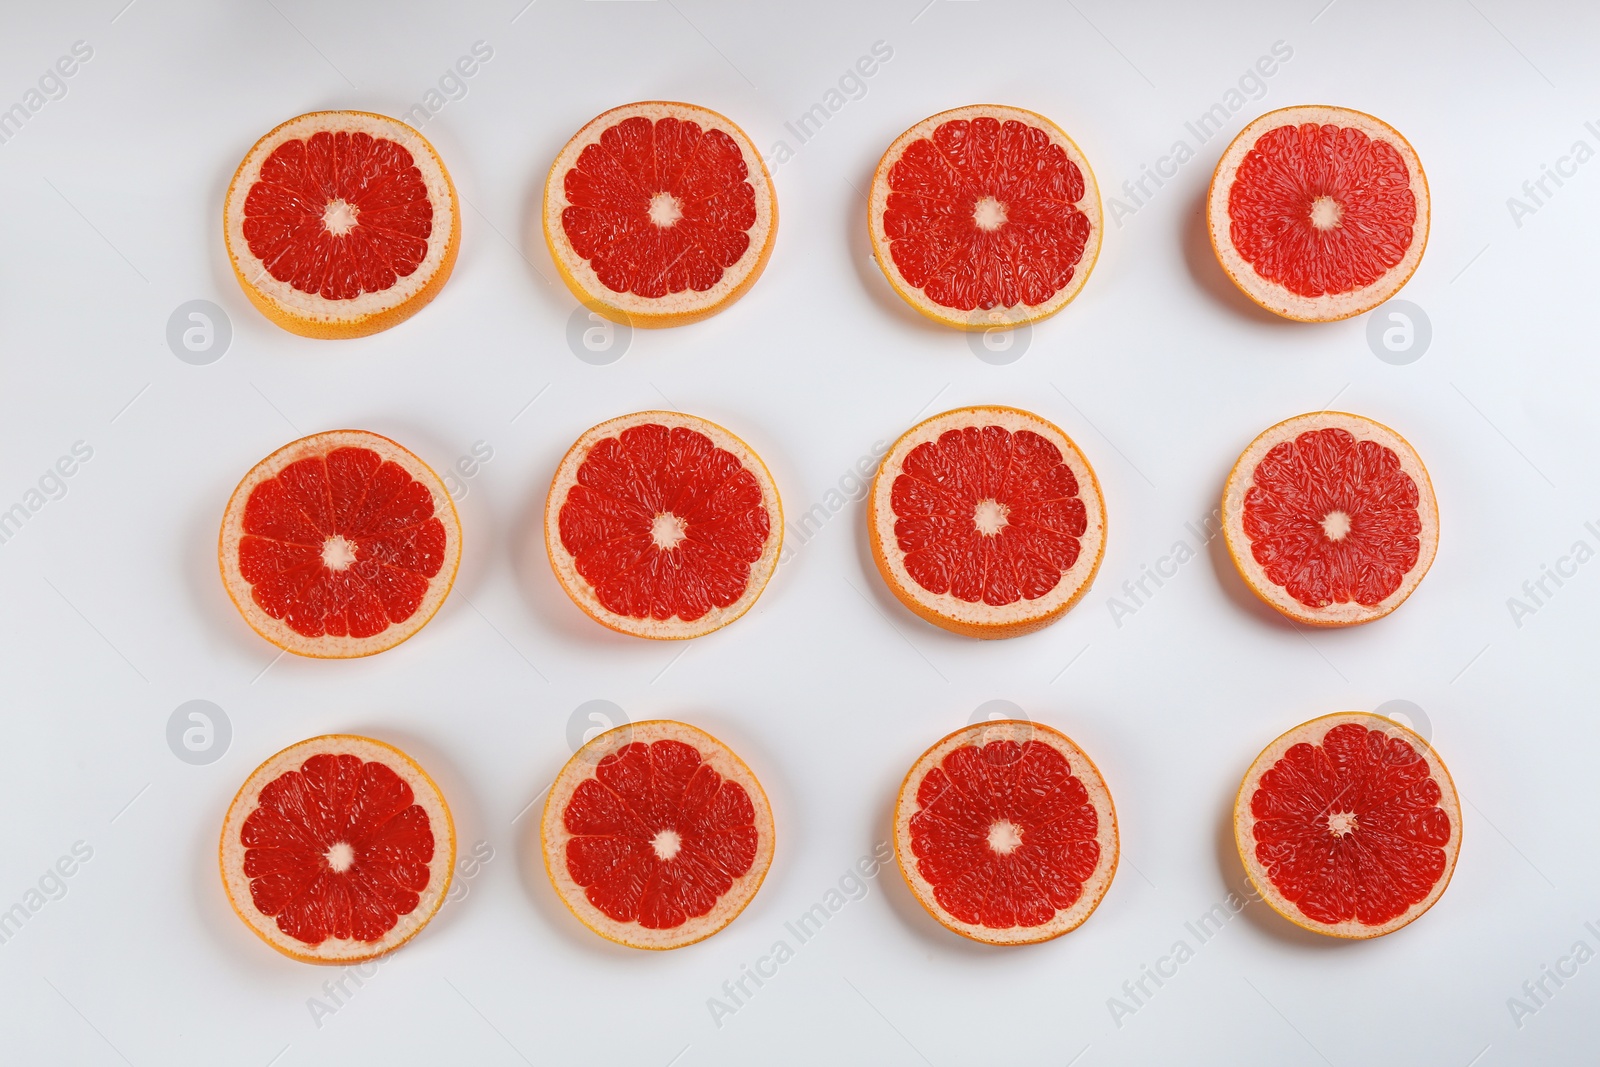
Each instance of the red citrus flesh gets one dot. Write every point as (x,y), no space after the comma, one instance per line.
(614,183)
(659,213)
(1007,841)
(664,525)
(987,521)
(337,849)
(303,816)
(341,224)
(1319,213)
(340,544)
(1352,824)
(656,835)
(1303,481)
(1331,518)
(638,795)
(1018,477)
(1273,204)
(385,206)
(936,188)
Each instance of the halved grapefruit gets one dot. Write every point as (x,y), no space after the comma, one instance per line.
(659,213)
(663,525)
(1318,213)
(337,849)
(338,545)
(655,835)
(1348,825)
(1005,833)
(341,224)
(987,521)
(1330,518)
(985,216)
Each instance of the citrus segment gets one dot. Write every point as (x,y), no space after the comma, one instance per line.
(1319,213)
(340,544)
(985,215)
(663,525)
(337,849)
(659,214)
(656,835)
(987,521)
(1349,825)
(341,224)
(1331,519)
(1006,833)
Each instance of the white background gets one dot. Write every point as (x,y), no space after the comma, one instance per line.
(112,614)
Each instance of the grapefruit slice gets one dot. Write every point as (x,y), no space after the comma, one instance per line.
(1348,825)
(1005,833)
(659,214)
(987,521)
(1318,213)
(337,849)
(1331,519)
(655,835)
(338,545)
(663,525)
(985,216)
(341,224)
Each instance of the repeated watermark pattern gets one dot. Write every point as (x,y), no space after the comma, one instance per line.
(853,885)
(1537,592)
(1137,592)
(1137,992)
(998,341)
(1399,332)
(451,85)
(199,332)
(52,485)
(51,85)
(850,86)
(467,467)
(1537,992)
(199,732)
(596,339)
(1137,193)
(50,886)
(1538,192)
(850,487)
(591,719)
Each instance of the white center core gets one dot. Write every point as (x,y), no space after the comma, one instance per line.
(664,210)
(1004,838)
(666,843)
(989,213)
(1336,524)
(339,217)
(1341,823)
(989,517)
(337,553)
(1326,212)
(666,530)
(340,857)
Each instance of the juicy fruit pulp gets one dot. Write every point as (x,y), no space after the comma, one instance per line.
(983,214)
(343,544)
(1005,834)
(1332,519)
(988,514)
(663,523)
(337,849)
(1351,829)
(339,214)
(660,207)
(1321,209)
(658,836)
